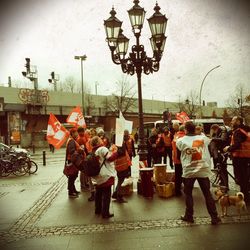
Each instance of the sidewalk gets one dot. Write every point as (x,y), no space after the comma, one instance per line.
(36,213)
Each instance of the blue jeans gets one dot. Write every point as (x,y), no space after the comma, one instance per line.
(205,188)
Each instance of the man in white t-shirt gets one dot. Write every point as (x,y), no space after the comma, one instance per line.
(195,159)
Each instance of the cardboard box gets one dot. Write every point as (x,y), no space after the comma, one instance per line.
(170,175)
(165,190)
(160,173)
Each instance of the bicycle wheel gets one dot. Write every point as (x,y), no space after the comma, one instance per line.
(215,178)
(20,168)
(32,167)
(5,169)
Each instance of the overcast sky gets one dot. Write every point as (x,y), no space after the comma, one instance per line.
(201,35)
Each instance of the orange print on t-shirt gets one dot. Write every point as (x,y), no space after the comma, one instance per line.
(197,147)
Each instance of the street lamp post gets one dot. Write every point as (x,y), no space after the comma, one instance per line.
(96,84)
(137,61)
(202,86)
(82,58)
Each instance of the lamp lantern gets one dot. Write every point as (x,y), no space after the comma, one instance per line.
(112,27)
(136,16)
(122,45)
(157,23)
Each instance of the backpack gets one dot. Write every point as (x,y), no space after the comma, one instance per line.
(91,164)
(78,160)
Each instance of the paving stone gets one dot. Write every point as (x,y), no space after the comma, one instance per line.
(24,227)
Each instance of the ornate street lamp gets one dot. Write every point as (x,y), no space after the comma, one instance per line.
(137,61)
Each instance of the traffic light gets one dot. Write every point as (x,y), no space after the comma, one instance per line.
(50,81)
(24,73)
(27,65)
(53,75)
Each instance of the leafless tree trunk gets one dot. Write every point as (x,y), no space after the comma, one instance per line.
(70,84)
(123,99)
(239,102)
(190,105)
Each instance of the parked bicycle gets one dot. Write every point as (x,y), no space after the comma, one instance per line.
(14,165)
(18,164)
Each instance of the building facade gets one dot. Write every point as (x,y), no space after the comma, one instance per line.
(24,113)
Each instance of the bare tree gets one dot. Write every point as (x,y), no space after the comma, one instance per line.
(123,99)
(17,83)
(248,99)
(190,105)
(70,84)
(239,101)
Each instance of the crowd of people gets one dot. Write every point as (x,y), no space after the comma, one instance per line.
(189,153)
(116,161)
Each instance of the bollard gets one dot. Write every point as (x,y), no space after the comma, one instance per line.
(33,149)
(44,158)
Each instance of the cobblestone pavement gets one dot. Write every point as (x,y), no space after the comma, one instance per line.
(26,184)
(35,232)
(25,226)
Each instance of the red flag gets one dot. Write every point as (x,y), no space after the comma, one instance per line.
(56,133)
(76,118)
(182,117)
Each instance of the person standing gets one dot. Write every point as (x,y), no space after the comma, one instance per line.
(195,159)
(105,140)
(240,150)
(81,140)
(219,139)
(167,137)
(129,144)
(179,133)
(123,169)
(85,181)
(51,148)
(199,130)
(71,147)
(88,136)
(160,146)
(105,179)
(155,145)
